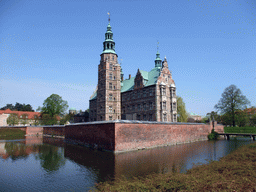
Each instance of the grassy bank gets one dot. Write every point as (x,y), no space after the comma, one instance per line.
(9,133)
(235,172)
(240,130)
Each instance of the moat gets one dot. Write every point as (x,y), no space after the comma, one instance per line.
(50,164)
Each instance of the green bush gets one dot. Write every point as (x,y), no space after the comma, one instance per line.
(213,135)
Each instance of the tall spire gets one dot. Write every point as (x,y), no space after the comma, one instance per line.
(158,61)
(109,44)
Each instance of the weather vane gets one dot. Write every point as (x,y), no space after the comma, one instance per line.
(109,17)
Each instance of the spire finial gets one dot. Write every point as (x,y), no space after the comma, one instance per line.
(109,17)
(157,45)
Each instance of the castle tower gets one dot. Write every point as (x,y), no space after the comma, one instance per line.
(109,85)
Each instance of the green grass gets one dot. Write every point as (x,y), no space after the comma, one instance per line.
(10,133)
(240,130)
(235,172)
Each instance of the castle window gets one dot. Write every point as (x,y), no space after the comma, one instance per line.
(163,91)
(138,83)
(110,118)
(113,58)
(114,98)
(173,93)
(114,110)
(138,117)
(151,105)
(145,106)
(110,86)
(144,117)
(133,107)
(144,93)
(164,105)
(114,69)
(110,67)
(150,92)
(150,117)
(165,117)
(163,75)
(114,77)
(174,118)
(138,107)
(174,106)
(110,97)
(110,76)
(110,109)
(114,87)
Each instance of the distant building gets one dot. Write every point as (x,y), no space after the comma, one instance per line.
(72,111)
(250,111)
(29,116)
(149,96)
(81,117)
(194,117)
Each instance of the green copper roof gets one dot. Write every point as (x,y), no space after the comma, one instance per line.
(128,84)
(150,78)
(109,51)
(94,95)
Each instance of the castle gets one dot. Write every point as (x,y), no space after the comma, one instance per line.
(149,96)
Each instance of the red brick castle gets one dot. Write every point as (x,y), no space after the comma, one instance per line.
(149,96)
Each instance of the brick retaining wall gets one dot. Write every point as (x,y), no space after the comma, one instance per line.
(124,135)
(54,130)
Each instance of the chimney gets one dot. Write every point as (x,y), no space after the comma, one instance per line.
(129,76)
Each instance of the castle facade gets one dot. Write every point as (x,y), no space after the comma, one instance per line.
(149,96)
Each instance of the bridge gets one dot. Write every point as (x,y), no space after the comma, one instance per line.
(227,135)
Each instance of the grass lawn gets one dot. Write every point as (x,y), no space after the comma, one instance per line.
(234,172)
(240,130)
(10,133)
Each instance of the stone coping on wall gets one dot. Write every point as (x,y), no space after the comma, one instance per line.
(135,122)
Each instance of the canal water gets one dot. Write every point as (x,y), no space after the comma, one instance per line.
(50,164)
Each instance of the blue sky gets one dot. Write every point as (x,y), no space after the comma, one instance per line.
(54,46)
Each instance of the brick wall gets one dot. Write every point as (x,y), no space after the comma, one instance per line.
(100,135)
(54,130)
(34,131)
(137,136)
(127,135)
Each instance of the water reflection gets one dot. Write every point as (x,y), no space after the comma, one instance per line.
(77,168)
(51,157)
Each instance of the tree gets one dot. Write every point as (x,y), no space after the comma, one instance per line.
(53,106)
(13,119)
(24,119)
(48,120)
(36,120)
(232,100)
(181,110)
(18,107)
(66,118)
(242,118)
